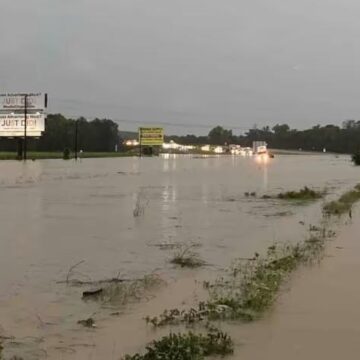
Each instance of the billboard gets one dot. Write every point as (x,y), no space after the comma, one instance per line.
(12,114)
(11,102)
(151,136)
(14,124)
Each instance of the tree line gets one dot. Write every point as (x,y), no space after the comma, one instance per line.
(344,139)
(100,135)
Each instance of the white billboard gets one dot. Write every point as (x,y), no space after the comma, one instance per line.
(12,124)
(11,102)
(12,114)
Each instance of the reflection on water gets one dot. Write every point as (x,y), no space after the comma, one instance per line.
(56,213)
(263,161)
(169,215)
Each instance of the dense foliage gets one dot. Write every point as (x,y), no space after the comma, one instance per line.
(96,135)
(102,135)
(344,139)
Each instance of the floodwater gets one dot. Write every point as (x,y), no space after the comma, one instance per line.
(318,316)
(55,213)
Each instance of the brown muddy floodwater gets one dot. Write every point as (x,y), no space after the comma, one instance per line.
(55,213)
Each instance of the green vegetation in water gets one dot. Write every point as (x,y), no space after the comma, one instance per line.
(250,287)
(117,292)
(355,158)
(122,293)
(187,346)
(90,322)
(344,203)
(113,291)
(3,358)
(185,257)
(177,316)
(303,194)
(66,154)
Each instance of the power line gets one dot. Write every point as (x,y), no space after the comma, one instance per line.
(178,124)
(78,103)
(163,123)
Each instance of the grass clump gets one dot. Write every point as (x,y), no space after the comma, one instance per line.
(253,286)
(12,358)
(303,194)
(186,257)
(250,287)
(187,346)
(140,205)
(113,291)
(355,158)
(122,293)
(344,203)
(66,154)
(177,316)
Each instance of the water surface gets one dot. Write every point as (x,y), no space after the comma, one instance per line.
(55,213)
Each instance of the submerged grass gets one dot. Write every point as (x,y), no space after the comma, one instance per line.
(113,291)
(303,194)
(121,293)
(186,257)
(250,287)
(12,358)
(177,317)
(187,346)
(355,158)
(344,203)
(140,205)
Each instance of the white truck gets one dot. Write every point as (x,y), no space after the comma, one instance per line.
(259,147)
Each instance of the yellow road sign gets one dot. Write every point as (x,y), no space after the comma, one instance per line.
(151,136)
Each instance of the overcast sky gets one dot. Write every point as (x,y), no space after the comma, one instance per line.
(191,63)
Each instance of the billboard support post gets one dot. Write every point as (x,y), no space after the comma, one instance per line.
(25,126)
(76,139)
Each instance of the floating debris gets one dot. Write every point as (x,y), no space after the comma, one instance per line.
(90,322)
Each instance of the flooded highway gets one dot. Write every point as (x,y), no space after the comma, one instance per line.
(122,218)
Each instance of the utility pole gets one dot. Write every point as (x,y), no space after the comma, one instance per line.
(76,140)
(25,126)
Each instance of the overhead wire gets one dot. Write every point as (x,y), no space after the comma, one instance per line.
(73,106)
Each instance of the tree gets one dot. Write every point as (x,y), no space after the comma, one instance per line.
(281,129)
(349,124)
(219,136)
(96,135)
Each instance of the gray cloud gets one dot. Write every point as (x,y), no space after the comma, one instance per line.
(198,62)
